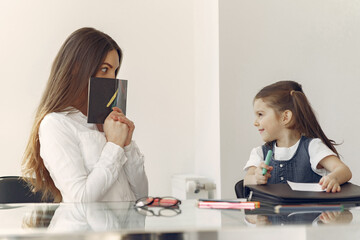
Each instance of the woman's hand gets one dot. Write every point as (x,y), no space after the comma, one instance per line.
(119,116)
(115,131)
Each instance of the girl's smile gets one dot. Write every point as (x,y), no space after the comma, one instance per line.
(266,121)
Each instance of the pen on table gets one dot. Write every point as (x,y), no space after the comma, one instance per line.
(308,208)
(229,205)
(267,161)
(223,200)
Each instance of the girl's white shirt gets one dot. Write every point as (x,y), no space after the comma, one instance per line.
(317,151)
(84,166)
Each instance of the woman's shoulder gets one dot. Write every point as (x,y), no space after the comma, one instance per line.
(54,118)
(57,121)
(69,115)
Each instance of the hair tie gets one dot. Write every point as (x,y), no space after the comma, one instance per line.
(292,92)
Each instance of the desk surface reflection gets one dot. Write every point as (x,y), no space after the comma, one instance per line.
(89,220)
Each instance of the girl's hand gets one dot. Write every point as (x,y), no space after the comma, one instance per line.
(330,183)
(258,219)
(119,116)
(336,217)
(327,217)
(115,131)
(259,177)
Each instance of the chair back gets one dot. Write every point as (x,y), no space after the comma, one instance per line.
(14,189)
(240,190)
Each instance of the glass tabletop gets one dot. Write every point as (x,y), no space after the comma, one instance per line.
(123,217)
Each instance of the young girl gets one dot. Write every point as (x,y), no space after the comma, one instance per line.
(302,152)
(74,161)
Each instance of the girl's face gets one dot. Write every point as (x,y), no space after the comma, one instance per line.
(267,121)
(109,66)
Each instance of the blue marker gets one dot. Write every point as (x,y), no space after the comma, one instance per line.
(267,161)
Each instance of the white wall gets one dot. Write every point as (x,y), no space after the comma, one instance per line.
(194,68)
(206,74)
(315,42)
(157,39)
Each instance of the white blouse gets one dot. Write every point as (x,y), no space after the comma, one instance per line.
(317,151)
(93,217)
(84,166)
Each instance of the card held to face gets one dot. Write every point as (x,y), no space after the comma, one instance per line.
(104,94)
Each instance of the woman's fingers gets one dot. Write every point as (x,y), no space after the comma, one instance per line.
(127,121)
(117,109)
(116,113)
(116,131)
(122,118)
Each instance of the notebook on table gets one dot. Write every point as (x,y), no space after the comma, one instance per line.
(283,194)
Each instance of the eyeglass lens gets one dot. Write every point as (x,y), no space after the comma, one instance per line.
(144,201)
(161,202)
(165,202)
(165,212)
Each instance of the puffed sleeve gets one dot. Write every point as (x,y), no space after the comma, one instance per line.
(256,156)
(317,152)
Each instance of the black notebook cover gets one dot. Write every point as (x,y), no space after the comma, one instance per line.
(282,194)
(104,94)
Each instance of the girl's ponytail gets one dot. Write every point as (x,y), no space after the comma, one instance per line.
(288,95)
(305,119)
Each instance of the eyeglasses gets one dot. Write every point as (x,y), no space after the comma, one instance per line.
(170,206)
(163,212)
(165,202)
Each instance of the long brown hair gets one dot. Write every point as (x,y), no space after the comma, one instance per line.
(288,95)
(78,59)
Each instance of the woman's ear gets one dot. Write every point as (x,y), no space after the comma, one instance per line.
(286,117)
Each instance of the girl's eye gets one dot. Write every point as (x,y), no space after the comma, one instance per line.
(104,70)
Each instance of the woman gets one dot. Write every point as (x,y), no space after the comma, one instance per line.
(74,161)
